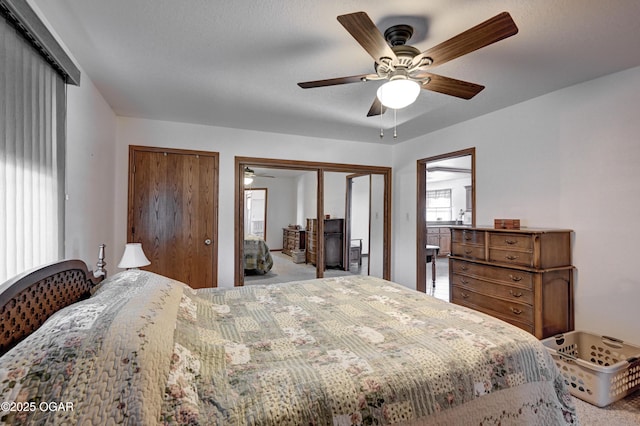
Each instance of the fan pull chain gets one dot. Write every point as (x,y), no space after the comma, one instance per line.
(395,124)
(381,131)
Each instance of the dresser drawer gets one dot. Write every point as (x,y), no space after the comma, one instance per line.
(521,276)
(524,325)
(467,236)
(510,241)
(514,294)
(494,273)
(468,251)
(511,257)
(488,304)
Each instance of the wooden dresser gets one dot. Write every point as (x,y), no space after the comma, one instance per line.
(522,276)
(333,242)
(292,239)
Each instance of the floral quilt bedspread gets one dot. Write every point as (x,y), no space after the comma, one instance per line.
(338,351)
(257,256)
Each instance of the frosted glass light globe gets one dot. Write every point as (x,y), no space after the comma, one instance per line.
(399,93)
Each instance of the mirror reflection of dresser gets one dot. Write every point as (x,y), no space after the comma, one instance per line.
(293,240)
(355,251)
(333,242)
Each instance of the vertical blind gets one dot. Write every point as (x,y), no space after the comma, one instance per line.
(32,134)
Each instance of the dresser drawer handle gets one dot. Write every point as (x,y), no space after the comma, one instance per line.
(464,295)
(467,236)
(463,281)
(518,294)
(516,311)
(464,268)
(511,242)
(468,251)
(515,278)
(511,257)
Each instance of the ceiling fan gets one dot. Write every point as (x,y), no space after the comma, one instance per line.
(250,173)
(404,65)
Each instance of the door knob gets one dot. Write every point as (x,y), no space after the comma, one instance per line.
(207,242)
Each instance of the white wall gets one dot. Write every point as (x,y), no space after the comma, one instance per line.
(570,159)
(307,197)
(229,143)
(89,210)
(335,189)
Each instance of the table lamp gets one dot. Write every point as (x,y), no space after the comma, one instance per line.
(133,257)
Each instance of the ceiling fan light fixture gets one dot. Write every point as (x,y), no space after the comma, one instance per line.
(398,93)
(248,176)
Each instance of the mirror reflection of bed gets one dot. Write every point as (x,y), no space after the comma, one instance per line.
(280,224)
(257,255)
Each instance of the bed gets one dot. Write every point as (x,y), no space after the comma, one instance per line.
(145,349)
(257,257)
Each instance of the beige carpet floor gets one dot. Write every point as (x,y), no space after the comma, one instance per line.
(625,412)
(284,270)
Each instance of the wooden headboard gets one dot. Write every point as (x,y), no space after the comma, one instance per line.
(27,300)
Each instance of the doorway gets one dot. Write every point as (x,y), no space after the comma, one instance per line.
(446,197)
(173,212)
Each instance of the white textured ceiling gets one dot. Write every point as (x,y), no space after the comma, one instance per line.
(235,63)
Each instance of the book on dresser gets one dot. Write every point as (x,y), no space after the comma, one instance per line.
(522,276)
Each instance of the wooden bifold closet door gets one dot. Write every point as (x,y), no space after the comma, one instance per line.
(173,199)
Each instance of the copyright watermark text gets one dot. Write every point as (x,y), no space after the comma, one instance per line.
(11,406)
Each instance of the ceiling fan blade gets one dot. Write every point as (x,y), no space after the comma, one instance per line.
(451,86)
(362,28)
(376,108)
(490,31)
(336,81)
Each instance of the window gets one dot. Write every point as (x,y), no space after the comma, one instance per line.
(439,205)
(255,212)
(32,136)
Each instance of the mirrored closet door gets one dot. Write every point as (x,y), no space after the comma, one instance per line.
(310,225)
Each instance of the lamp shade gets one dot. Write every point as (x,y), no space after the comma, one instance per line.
(133,257)
(398,93)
